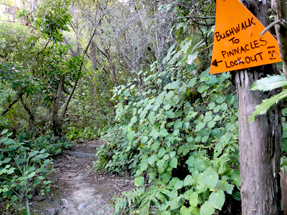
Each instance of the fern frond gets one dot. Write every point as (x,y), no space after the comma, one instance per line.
(267,104)
(269,83)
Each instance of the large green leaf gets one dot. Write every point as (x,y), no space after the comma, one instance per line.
(173,163)
(193,200)
(131,135)
(267,104)
(207,209)
(192,82)
(163,132)
(172,85)
(225,186)
(191,57)
(269,83)
(184,211)
(139,181)
(188,181)
(211,179)
(170,52)
(133,119)
(32,174)
(152,159)
(235,175)
(161,152)
(217,199)
(178,185)
(174,204)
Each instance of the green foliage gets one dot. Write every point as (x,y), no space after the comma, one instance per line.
(31,65)
(52,17)
(22,170)
(81,133)
(180,137)
(269,83)
(49,143)
(266,84)
(284,135)
(114,156)
(4,95)
(10,35)
(267,104)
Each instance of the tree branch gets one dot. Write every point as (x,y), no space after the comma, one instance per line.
(270,26)
(45,46)
(98,63)
(81,66)
(206,48)
(30,113)
(197,17)
(66,41)
(14,102)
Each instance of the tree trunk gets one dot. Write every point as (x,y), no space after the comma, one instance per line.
(259,150)
(93,55)
(112,67)
(30,113)
(57,126)
(283,175)
(259,141)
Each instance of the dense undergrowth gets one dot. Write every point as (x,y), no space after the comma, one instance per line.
(25,163)
(177,134)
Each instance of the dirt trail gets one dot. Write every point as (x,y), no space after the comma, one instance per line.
(76,188)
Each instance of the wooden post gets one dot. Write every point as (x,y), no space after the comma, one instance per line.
(260,141)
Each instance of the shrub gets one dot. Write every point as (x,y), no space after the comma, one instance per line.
(179,139)
(22,170)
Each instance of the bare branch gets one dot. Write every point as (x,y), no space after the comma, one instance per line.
(81,66)
(196,17)
(20,94)
(270,26)
(66,41)
(45,46)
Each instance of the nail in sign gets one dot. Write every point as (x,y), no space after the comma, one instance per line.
(237,40)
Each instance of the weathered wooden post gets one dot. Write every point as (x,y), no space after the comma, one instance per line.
(238,46)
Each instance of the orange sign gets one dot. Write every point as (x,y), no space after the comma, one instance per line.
(237,40)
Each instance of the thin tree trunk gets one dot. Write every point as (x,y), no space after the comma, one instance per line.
(57,126)
(259,141)
(69,99)
(283,175)
(112,67)
(93,55)
(14,10)
(30,113)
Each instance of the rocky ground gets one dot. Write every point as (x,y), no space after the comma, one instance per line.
(77,189)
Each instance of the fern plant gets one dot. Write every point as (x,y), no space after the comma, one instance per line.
(142,201)
(267,84)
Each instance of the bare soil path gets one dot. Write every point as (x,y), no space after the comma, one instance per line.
(76,187)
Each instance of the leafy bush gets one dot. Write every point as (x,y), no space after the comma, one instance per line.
(52,145)
(22,170)
(82,133)
(114,156)
(179,139)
